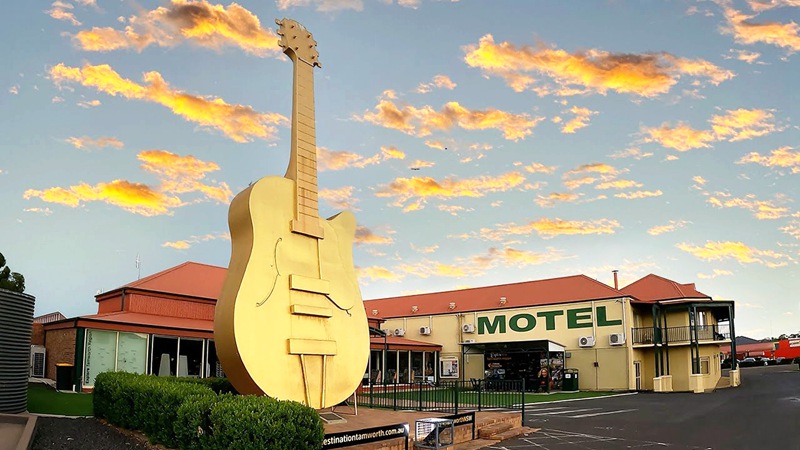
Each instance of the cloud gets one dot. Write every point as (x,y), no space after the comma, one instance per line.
(590,71)
(581,120)
(198,22)
(439,81)
(333,160)
(422,121)
(550,200)
(187,243)
(764,5)
(792,229)
(539,168)
(745,31)
(618,184)
(378,273)
(435,143)
(14,90)
(62,11)
(589,174)
(339,199)
(668,228)
(323,5)
(365,236)
(238,122)
(44,211)
(722,250)
(89,103)
(761,209)
(633,152)
(639,194)
(734,125)
(425,250)
(424,188)
(714,274)
(420,164)
(511,257)
(177,174)
(745,55)
(699,182)
(86,142)
(782,157)
(549,228)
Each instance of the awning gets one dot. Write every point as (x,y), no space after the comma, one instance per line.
(541,345)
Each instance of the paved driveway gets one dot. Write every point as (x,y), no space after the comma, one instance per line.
(762,414)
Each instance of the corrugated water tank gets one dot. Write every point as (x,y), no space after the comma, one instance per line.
(16,318)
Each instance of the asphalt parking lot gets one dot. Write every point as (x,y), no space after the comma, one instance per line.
(763,413)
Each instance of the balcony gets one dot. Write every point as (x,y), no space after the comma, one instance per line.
(677,335)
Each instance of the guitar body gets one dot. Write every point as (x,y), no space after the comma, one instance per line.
(290,322)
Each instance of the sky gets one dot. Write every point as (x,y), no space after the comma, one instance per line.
(476,142)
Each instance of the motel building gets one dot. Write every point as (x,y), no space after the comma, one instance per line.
(654,334)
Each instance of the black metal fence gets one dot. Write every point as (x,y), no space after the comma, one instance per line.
(445,396)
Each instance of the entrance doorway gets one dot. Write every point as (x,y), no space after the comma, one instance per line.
(637,369)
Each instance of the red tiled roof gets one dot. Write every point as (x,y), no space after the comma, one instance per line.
(576,288)
(654,288)
(130,318)
(190,279)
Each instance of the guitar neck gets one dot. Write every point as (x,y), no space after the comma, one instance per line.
(303,160)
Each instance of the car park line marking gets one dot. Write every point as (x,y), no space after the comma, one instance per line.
(569,411)
(548,409)
(603,413)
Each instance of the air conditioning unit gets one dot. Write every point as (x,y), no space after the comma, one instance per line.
(586,341)
(388,331)
(424,331)
(399,332)
(468,328)
(469,341)
(616,338)
(37,361)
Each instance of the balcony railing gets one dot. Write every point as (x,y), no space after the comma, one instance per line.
(677,335)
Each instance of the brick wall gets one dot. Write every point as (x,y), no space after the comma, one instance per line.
(37,334)
(60,347)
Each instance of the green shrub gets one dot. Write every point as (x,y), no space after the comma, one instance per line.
(218,385)
(250,422)
(193,424)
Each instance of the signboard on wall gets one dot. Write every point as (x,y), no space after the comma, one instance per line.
(448,367)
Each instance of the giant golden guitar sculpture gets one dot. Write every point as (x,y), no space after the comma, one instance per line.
(290,322)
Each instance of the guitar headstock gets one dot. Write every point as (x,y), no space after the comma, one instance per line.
(298,40)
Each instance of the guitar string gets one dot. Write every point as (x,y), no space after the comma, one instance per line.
(277,271)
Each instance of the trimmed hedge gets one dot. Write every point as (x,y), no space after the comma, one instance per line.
(187,413)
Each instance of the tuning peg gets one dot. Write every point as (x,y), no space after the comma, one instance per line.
(278,22)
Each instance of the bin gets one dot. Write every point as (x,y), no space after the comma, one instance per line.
(433,433)
(64,376)
(570,382)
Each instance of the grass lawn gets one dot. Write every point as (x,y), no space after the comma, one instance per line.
(43,399)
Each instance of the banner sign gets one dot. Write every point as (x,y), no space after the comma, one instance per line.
(366,435)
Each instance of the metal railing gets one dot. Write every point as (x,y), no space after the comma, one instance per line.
(677,335)
(445,396)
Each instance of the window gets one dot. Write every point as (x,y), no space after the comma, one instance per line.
(112,351)
(704,365)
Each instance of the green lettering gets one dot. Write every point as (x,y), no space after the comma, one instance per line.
(550,318)
(602,321)
(530,322)
(491,327)
(576,318)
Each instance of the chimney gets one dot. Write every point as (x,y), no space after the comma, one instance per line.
(616,282)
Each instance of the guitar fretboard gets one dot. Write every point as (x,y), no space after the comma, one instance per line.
(303,160)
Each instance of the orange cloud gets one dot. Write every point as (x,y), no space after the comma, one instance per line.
(62,11)
(668,228)
(761,209)
(198,22)
(793,229)
(423,188)
(714,274)
(551,199)
(745,31)
(435,143)
(549,228)
(87,142)
(618,184)
(639,194)
(585,174)
(89,104)
(333,160)
(511,257)
(633,152)
(187,243)
(420,164)
(439,81)
(365,236)
(735,125)
(339,199)
(581,119)
(539,168)
(717,251)
(590,71)
(681,137)
(425,250)
(178,175)
(421,121)
(238,122)
(378,273)
(780,157)
(746,56)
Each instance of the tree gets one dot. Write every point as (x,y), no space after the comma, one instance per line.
(12,281)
